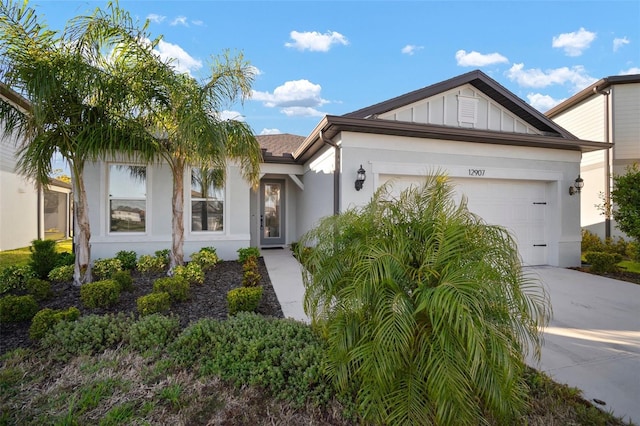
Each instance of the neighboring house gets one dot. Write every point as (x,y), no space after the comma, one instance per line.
(607,111)
(27,213)
(514,165)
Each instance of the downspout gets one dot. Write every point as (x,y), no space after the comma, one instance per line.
(607,163)
(336,173)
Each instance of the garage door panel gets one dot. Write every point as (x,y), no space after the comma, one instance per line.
(518,206)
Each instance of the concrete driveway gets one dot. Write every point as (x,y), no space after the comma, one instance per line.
(593,339)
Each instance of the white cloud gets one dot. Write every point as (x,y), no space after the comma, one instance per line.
(266,131)
(574,43)
(476,59)
(297,93)
(154,17)
(535,77)
(230,115)
(180,20)
(632,70)
(198,22)
(302,112)
(410,49)
(314,41)
(182,61)
(619,42)
(542,102)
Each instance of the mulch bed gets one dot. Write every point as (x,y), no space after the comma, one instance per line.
(208,300)
(632,277)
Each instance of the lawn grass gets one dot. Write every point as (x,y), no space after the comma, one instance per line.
(21,256)
(630,266)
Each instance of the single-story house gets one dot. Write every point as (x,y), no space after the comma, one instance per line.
(607,111)
(517,167)
(27,211)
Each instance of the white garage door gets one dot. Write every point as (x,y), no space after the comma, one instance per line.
(519,206)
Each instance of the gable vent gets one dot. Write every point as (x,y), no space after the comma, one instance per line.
(467,109)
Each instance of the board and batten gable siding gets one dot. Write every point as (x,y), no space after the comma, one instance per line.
(464,106)
(626,121)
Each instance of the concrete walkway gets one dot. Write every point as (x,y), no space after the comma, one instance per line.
(592,342)
(286,279)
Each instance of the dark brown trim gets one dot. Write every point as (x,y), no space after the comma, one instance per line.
(592,90)
(332,125)
(14,97)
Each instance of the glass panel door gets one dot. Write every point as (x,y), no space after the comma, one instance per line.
(272,230)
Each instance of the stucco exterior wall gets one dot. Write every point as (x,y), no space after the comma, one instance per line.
(316,201)
(381,154)
(106,244)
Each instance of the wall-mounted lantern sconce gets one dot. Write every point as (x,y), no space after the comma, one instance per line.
(577,186)
(360,178)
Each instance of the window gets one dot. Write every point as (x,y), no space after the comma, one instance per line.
(127,198)
(207,200)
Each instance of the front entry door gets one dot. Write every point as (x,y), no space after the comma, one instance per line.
(272,213)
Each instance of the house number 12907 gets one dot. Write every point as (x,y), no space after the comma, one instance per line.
(476,172)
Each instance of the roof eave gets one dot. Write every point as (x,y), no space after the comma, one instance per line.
(592,90)
(333,125)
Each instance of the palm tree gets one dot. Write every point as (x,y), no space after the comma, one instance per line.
(190,132)
(426,309)
(84,87)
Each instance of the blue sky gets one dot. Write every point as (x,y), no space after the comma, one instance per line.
(328,57)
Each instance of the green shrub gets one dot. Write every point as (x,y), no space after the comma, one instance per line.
(61,274)
(153,303)
(14,278)
(192,272)
(17,308)
(283,356)
(100,294)
(147,263)
(601,262)
(153,331)
(103,269)
(88,335)
(243,299)
(250,275)
(244,253)
(40,289)
(124,280)
(177,287)
(633,251)
(47,318)
(616,246)
(591,242)
(206,258)
(65,259)
(43,257)
(163,254)
(127,259)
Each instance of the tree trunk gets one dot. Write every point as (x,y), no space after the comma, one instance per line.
(177,220)
(82,231)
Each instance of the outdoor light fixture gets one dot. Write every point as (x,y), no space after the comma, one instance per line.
(361,178)
(577,186)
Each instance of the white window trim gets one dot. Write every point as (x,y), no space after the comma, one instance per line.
(147,198)
(202,235)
